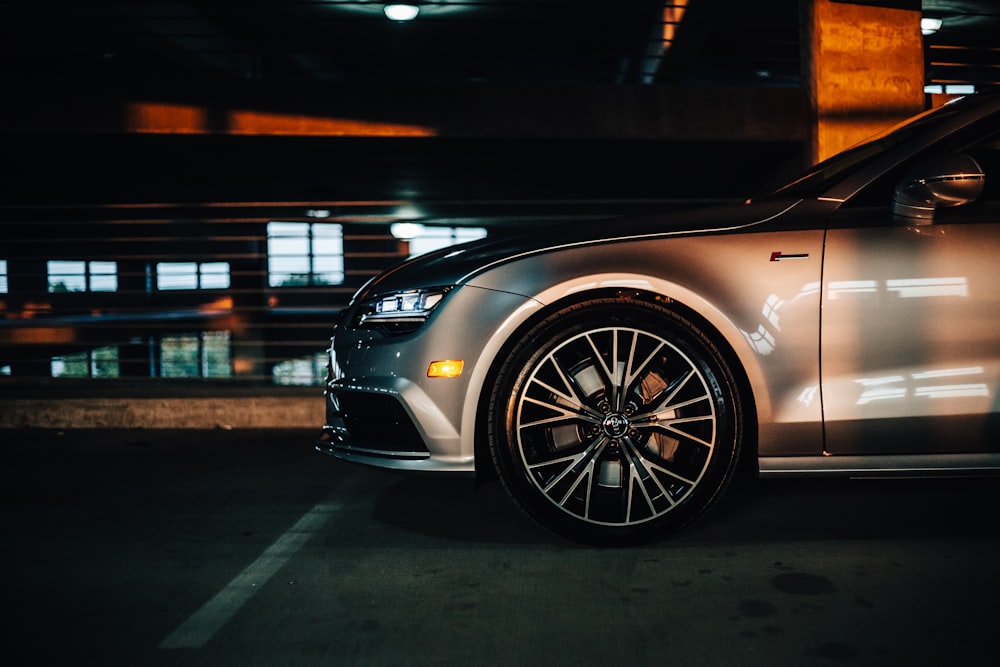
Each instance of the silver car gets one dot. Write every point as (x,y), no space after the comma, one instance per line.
(615,374)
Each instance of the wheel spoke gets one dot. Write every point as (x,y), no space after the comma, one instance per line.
(636,478)
(586,474)
(579,468)
(636,459)
(610,376)
(570,395)
(572,413)
(633,373)
(670,427)
(664,406)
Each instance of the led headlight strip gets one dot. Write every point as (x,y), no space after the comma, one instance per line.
(404,307)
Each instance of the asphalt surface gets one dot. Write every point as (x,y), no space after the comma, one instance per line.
(248,548)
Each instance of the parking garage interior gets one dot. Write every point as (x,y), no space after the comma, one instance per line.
(195,190)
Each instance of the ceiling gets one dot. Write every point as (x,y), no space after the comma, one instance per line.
(163,45)
(491,41)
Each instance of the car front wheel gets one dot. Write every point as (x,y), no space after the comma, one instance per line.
(615,422)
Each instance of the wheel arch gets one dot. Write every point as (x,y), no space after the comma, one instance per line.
(741,366)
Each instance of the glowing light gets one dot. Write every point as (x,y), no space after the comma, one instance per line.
(447,368)
(256,122)
(673,14)
(157,118)
(405,231)
(37,335)
(929,26)
(401,12)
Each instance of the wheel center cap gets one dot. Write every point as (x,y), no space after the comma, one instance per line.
(615,425)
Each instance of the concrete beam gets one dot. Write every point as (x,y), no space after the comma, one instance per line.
(662,113)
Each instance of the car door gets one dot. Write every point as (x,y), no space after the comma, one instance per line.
(910,331)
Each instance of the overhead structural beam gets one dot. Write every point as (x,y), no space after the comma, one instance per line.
(660,113)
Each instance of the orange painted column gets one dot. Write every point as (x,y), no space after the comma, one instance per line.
(863,71)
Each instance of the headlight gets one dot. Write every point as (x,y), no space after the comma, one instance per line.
(400,312)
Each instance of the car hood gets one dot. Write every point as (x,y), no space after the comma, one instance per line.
(457,264)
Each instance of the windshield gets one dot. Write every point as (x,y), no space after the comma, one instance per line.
(821,176)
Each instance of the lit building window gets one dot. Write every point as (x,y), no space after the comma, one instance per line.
(192,275)
(435,238)
(82,276)
(205,354)
(3,276)
(304,371)
(304,253)
(101,362)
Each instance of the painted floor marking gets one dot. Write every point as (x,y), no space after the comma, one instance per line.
(202,625)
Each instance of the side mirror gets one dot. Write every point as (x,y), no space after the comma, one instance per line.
(937,182)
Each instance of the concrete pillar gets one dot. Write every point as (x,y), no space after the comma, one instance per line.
(863,69)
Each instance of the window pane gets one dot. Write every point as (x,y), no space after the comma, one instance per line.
(287,229)
(179,357)
(3,276)
(298,247)
(307,371)
(328,246)
(104,362)
(176,275)
(217,357)
(70,365)
(287,253)
(104,283)
(284,271)
(435,238)
(63,268)
(328,269)
(104,276)
(326,229)
(67,276)
(215,275)
(301,253)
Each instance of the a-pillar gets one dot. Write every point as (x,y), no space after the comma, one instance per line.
(863,69)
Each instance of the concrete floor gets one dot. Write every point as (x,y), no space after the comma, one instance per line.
(244,547)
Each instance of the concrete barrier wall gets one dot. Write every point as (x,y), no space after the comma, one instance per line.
(222,412)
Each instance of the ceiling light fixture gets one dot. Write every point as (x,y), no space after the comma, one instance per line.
(406,231)
(401,12)
(930,26)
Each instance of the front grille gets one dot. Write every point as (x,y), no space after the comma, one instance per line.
(374,422)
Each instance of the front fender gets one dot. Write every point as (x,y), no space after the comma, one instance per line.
(766,312)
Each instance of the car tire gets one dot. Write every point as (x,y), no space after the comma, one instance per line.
(615,422)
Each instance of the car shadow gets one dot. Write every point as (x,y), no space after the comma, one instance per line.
(751,510)
(851,509)
(458,509)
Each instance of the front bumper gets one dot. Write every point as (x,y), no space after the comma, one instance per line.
(373,425)
(381,407)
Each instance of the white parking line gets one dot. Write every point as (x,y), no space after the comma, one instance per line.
(202,625)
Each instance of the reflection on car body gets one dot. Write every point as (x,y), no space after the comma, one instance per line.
(614,373)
